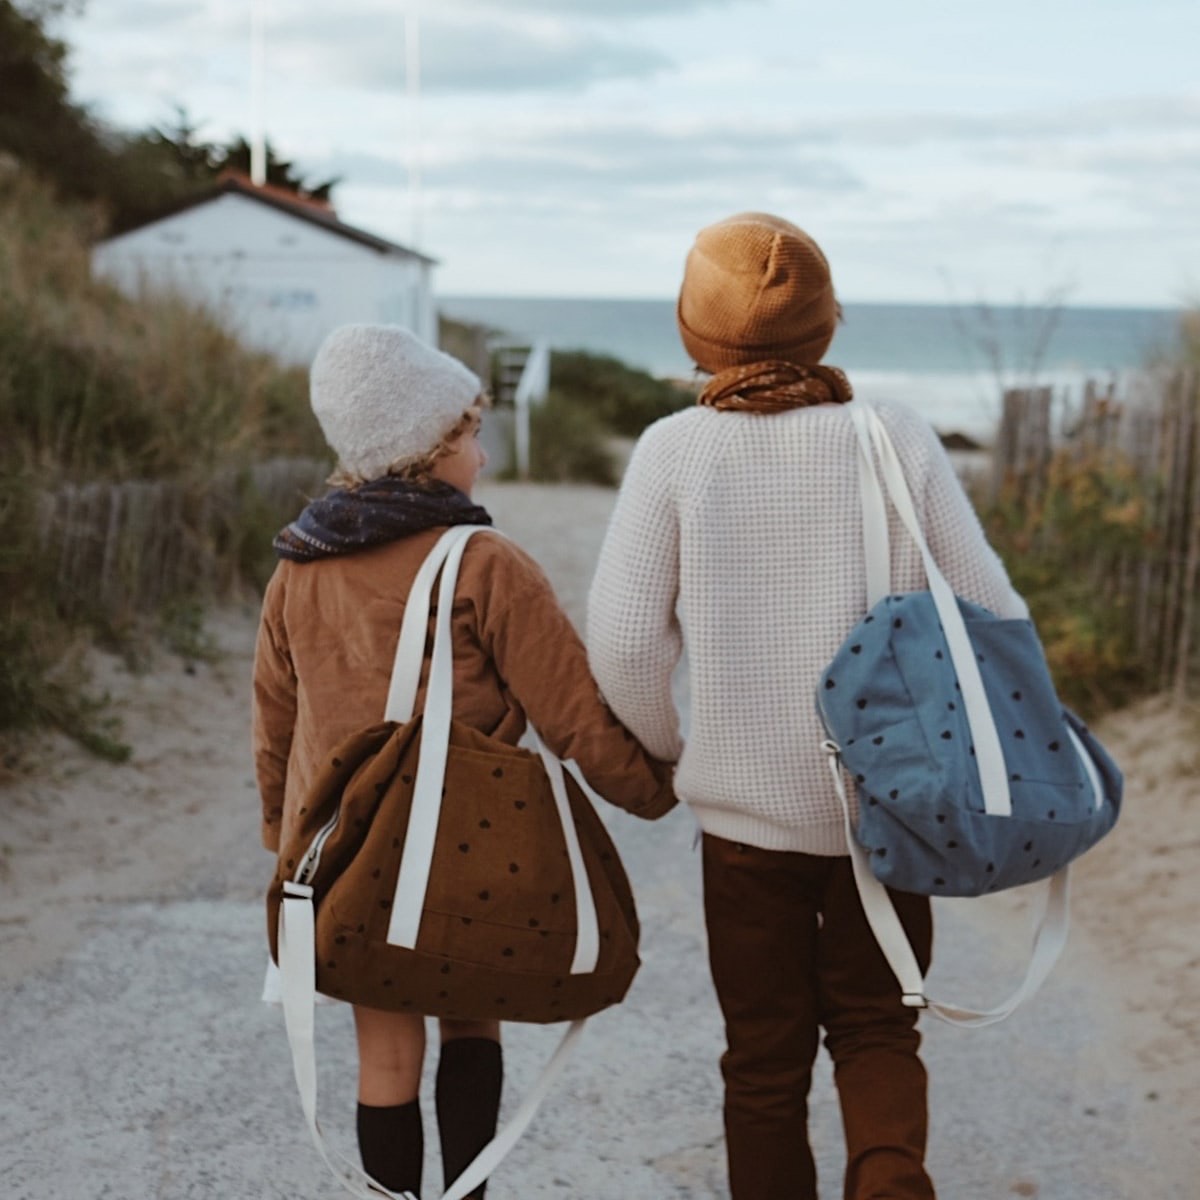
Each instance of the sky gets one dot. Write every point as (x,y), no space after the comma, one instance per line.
(940,152)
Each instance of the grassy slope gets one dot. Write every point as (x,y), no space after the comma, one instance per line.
(94,387)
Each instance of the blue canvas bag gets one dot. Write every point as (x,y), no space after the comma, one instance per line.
(970,774)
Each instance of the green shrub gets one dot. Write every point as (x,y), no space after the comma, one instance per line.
(593,399)
(243,533)
(1093,546)
(41,688)
(568,443)
(622,398)
(466,341)
(1064,546)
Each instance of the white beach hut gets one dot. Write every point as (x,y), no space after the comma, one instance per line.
(279,269)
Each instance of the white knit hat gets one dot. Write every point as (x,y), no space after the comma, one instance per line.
(384,397)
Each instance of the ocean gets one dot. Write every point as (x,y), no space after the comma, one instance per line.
(950,362)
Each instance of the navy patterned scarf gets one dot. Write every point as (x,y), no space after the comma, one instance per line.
(383,510)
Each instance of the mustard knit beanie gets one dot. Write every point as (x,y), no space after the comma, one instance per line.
(384,398)
(755,287)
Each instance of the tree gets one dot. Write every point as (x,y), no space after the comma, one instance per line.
(132,176)
(190,160)
(280,172)
(184,155)
(39,124)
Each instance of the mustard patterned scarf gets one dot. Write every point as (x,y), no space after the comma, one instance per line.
(775,386)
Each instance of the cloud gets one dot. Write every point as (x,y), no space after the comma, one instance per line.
(610,8)
(977,192)
(615,159)
(463,53)
(852,156)
(1100,119)
(143,16)
(502,58)
(465,47)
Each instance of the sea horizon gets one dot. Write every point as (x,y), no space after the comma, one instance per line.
(949,361)
(1104,306)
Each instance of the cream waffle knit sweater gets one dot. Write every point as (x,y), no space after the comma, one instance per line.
(738,538)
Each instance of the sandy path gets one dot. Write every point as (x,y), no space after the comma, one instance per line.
(130,927)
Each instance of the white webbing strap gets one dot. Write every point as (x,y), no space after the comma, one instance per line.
(882,918)
(297,969)
(490,1157)
(874,512)
(1051,921)
(989,757)
(1049,936)
(587,936)
(993,774)
(417,856)
(410,648)
(297,951)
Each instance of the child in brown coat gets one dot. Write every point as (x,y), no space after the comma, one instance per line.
(404,420)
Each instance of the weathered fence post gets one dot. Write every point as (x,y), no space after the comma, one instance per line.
(1142,446)
(1023,441)
(125,548)
(1190,397)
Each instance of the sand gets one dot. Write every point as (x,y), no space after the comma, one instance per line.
(176,827)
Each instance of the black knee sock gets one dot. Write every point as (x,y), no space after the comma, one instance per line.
(391,1142)
(469,1076)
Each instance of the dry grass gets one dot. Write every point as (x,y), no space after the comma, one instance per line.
(93,385)
(131,466)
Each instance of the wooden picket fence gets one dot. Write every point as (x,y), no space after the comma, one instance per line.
(117,549)
(1149,433)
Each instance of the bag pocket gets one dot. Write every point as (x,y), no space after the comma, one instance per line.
(500,855)
(1030,720)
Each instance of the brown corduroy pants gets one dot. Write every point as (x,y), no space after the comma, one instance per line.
(791,953)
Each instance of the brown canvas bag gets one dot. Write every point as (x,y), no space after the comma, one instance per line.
(499,925)
(437,870)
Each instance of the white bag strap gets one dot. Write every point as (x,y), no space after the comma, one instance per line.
(410,648)
(298,976)
(297,927)
(587,932)
(1051,924)
(297,931)
(993,775)
(417,856)
(494,1153)
(874,512)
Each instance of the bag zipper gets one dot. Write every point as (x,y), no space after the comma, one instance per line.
(825,722)
(312,856)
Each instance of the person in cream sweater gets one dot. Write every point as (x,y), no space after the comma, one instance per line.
(737,538)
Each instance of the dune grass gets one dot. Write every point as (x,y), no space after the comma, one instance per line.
(99,392)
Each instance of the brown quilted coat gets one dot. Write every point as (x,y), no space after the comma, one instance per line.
(324,658)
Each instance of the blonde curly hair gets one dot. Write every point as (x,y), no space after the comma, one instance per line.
(420,470)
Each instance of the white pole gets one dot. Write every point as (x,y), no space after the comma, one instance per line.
(412,76)
(522,437)
(532,388)
(258,144)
